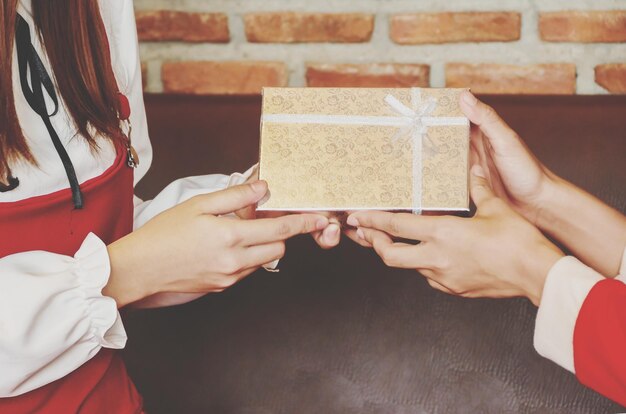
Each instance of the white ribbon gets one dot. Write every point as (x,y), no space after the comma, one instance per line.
(413,121)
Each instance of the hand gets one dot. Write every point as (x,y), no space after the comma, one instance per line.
(191,249)
(496,253)
(513,172)
(326,238)
(593,231)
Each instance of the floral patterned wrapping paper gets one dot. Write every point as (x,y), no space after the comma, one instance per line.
(313,166)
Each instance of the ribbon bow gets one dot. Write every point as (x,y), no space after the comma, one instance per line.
(419,119)
(417,126)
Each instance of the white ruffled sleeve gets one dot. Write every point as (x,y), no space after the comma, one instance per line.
(53,316)
(184,189)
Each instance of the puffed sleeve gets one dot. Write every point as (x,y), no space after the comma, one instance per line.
(53,316)
(581,325)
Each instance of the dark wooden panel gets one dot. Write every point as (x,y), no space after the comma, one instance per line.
(200,135)
(336,331)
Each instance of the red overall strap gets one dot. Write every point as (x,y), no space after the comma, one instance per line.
(600,340)
(50,223)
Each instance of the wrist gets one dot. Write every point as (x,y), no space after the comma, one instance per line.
(538,263)
(547,206)
(127,283)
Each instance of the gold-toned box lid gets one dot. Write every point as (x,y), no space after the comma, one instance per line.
(360,148)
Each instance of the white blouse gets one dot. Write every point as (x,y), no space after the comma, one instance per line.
(53,316)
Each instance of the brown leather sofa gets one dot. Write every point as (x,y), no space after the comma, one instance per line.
(336,331)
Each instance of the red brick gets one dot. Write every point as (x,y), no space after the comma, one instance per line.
(543,79)
(612,77)
(165,25)
(222,78)
(450,27)
(583,26)
(290,27)
(373,75)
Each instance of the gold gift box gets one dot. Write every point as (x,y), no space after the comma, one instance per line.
(341,149)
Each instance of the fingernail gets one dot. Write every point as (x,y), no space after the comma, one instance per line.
(258,186)
(321,223)
(360,235)
(469,98)
(478,171)
(352,221)
(333,231)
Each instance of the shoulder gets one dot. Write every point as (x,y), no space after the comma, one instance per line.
(115,14)
(118,17)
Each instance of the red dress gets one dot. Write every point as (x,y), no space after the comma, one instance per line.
(51,223)
(600,340)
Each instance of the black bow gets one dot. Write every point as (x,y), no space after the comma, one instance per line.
(30,62)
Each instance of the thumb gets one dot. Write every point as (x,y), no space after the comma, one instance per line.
(479,186)
(233,198)
(498,133)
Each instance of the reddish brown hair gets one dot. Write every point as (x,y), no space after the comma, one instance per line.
(74,37)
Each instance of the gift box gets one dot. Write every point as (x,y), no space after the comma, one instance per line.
(342,149)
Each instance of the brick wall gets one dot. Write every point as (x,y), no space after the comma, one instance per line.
(492,46)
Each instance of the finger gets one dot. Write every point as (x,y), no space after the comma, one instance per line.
(379,240)
(499,134)
(351,234)
(481,144)
(270,230)
(479,187)
(436,285)
(400,255)
(477,144)
(245,272)
(270,214)
(481,153)
(495,180)
(317,235)
(474,157)
(232,199)
(404,225)
(246,213)
(329,237)
(331,215)
(231,280)
(224,282)
(256,256)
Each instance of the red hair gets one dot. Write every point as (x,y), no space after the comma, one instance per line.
(75,41)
